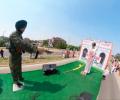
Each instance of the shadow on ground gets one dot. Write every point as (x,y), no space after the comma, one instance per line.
(44,86)
(82,96)
(49,72)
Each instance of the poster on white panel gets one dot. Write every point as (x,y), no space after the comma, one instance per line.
(102,55)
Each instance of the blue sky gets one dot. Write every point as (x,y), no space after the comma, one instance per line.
(72,20)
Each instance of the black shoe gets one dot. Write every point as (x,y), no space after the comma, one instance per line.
(104,77)
(19,84)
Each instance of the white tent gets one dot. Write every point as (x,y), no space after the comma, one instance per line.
(103,52)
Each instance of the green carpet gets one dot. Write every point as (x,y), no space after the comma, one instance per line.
(61,86)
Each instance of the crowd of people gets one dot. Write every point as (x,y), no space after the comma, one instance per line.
(113,66)
(69,54)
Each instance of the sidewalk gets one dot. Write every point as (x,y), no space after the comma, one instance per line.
(110,88)
(4,70)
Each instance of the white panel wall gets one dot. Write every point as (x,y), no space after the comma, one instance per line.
(103,49)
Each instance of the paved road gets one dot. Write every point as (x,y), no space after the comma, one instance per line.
(32,67)
(110,88)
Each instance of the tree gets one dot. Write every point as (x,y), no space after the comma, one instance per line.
(117,56)
(59,43)
(45,43)
(72,47)
(3,41)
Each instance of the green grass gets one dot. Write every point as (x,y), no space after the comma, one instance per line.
(54,87)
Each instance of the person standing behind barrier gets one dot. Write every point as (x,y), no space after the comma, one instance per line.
(119,69)
(63,54)
(67,54)
(2,53)
(114,66)
(73,54)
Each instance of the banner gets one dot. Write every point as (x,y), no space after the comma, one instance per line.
(102,53)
